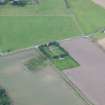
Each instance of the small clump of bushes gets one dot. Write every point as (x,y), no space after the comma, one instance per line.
(4,98)
(14,2)
(36,63)
(45,48)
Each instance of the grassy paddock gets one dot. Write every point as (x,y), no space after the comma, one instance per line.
(67,63)
(19,32)
(90,16)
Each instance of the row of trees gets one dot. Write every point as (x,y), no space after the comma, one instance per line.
(19,2)
(14,2)
(2,1)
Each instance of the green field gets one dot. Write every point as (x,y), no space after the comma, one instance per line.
(67,63)
(21,27)
(90,16)
(19,32)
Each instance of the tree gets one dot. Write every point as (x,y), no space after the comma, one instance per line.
(2,2)
(19,2)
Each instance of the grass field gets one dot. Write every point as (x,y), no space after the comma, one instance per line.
(90,16)
(19,32)
(67,63)
(50,20)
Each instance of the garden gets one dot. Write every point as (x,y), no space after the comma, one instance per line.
(58,56)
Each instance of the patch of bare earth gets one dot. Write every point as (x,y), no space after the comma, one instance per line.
(100,2)
(90,76)
(101,42)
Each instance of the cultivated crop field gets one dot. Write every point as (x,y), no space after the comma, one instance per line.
(39,87)
(90,76)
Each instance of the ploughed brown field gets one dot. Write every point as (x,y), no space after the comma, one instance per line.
(40,87)
(90,76)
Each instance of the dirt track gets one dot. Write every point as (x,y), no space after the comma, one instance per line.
(101,42)
(90,76)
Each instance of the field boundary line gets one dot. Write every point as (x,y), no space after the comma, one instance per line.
(76,89)
(36,15)
(66,3)
(98,45)
(36,46)
(16,51)
(75,18)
